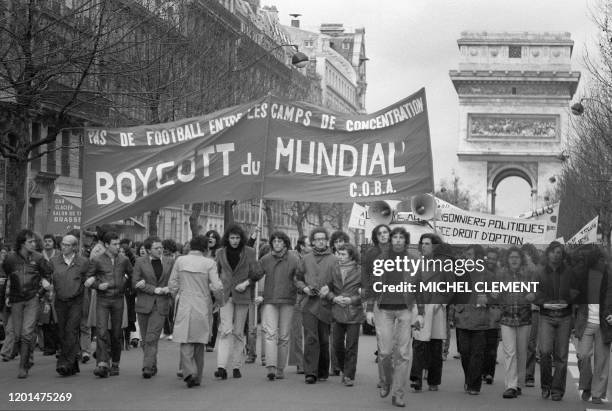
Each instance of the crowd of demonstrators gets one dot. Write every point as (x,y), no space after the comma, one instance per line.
(313,300)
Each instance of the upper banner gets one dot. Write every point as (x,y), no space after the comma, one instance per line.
(281,150)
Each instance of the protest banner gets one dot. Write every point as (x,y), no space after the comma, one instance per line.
(358,217)
(586,235)
(269,148)
(463,227)
(549,214)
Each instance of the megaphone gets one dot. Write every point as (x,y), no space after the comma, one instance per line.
(384,212)
(424,206)
(381,212)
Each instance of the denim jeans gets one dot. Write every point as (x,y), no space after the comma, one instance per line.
(231,334)
(394,326)
(9,340)
(471,345)
(554,337)
(345,347)
(514,342)
(276,324)
(316,346)
(68,323)
(296,349)
(25,317)
(85,330)
(592,343)
(105,308)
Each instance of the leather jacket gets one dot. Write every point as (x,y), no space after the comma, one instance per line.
(25,275)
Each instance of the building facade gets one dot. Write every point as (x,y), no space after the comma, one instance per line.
(339,58)
(204,56)
(514,90)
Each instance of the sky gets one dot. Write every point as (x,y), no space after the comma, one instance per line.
(413,44)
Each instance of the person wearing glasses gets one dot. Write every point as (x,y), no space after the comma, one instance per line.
(315,280)
(69,276)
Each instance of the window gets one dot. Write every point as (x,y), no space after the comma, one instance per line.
(346,45)
(35,164)
(513,91)
(51,153)
(308,43)
(514,52)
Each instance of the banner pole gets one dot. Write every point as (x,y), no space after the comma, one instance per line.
(260,217)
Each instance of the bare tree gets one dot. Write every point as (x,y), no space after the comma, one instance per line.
(59,65)
(585,186)
(452,192)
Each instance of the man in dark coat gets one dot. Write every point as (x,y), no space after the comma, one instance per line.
(150,280)
(69,275)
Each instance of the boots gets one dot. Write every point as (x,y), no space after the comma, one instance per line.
(24,359)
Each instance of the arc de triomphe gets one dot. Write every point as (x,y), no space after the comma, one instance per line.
(514,92)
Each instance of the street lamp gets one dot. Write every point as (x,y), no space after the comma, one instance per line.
(578,108)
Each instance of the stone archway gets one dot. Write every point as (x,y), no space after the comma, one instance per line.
(498,172)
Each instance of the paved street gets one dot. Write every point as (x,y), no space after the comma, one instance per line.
(255,392)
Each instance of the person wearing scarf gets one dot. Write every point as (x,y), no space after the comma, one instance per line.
(280,268)
(347,311)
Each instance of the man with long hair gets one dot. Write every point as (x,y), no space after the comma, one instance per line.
(28,273)
(239,270)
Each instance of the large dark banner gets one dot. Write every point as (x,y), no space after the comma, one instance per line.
(270,148)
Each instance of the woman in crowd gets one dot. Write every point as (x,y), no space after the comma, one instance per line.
(515,320)
(336,239)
